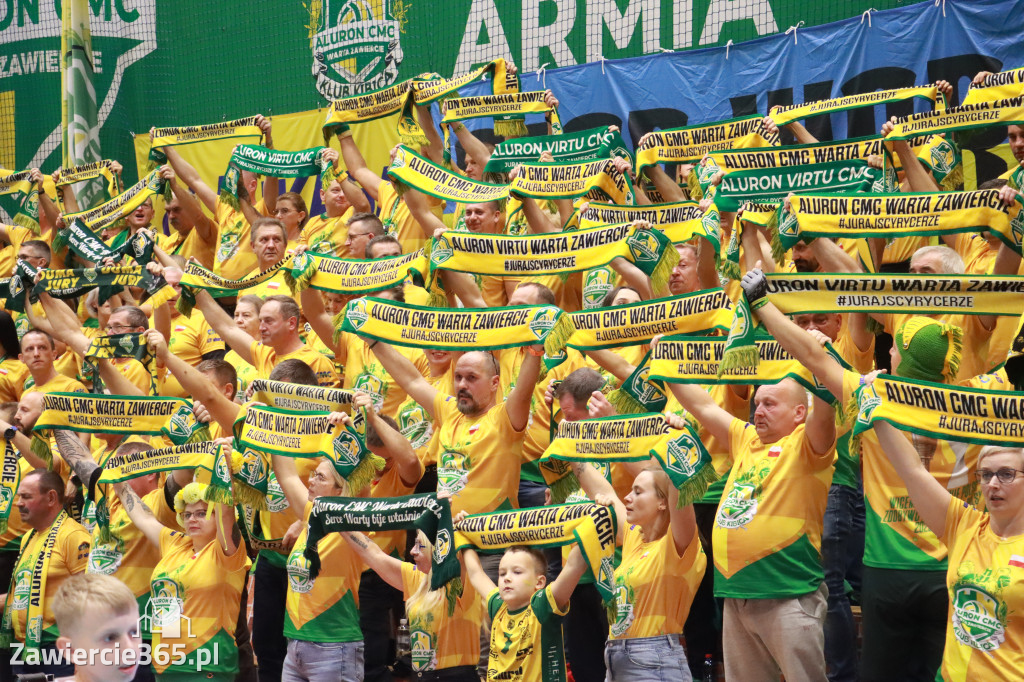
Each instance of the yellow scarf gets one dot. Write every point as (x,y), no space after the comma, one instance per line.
(114,210)
(997,86)
(691,143)
(680,221)
(784,115)
(965,117)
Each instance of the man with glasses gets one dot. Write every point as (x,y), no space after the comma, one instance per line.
(362,227)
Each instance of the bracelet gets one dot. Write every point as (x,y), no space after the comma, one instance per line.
(344,134)
(375,342)
(759,303)
(534,351)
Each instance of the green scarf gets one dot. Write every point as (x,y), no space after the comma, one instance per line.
(458,329)
(272,163)
(114,211)
(740,347)
(413,512)
(775,184)
(568,148)
(554,254)
(110,280)
(634,323)
(639,393)
(84,243)
(691,143)
(12,289)
(26,196)
(28,589)
(680,221)
(132,345)
(883,293)
(900,215)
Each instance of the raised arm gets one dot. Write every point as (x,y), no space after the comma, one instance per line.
(419,209)
(407,376)
(598,488)
(517,403)
(356,164)
(141,515)
(191,212)
(233,335)
(73,451)
(288,478)
(402,454)
(315,313)
(190,176)
(821,427)
(706,411)
(683,522)
(271,186)
(565,583)
(434,150)
(193,381)
(475,572)
(387,567)
(930,498)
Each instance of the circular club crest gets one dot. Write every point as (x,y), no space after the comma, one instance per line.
(357,46)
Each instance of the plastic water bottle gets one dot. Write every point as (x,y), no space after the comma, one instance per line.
(709,669)
(403,644)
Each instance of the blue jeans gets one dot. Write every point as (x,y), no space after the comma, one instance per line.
(323,662)
(842,547)
(646,659)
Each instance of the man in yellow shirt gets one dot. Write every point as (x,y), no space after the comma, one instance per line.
(269,241)
(38,352)
(193,233)
(56,544)
(279,337)
(767,535)
(326,233)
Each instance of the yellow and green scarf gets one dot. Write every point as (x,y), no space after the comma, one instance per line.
(965,415)
(586,524)
(10,480)
(356,277)
(598,180)
(784,115)
(692,143)
(680,221)
(89,171)
(195,276)
(508,111)
(84,243)
(554,254)
(409,169)
(431,88)
(26,196)
(567,148)
(458,329)
(997,86)
(132,345)
(272,163)
(182,135)
(114,211)
(628,325)
(372,105)
(965,117)
(884,293)
(900,215)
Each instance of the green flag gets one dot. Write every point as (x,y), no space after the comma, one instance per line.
(80,129)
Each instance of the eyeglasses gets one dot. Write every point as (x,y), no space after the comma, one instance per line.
(1005,476)
(187,516)
(118,327)
(318,477)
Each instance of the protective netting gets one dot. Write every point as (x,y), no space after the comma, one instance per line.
(173,63)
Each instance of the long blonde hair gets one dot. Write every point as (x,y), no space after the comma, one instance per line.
(425,598)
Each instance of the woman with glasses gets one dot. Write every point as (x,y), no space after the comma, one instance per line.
(321,614)
(196,586)
(291,210)
(985,578)
(445,646)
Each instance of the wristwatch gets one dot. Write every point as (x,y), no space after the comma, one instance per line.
(9,433)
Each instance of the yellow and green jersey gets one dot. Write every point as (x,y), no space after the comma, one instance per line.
(440,640)
(526,645)
(767,533)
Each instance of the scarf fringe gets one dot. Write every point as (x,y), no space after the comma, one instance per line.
(510,127)
(338,320)
(60,241)
(562,488)
(412,138)
(215,493)
(248,496)
(186,301)
(742,357)
(558,337)
(452,591)
(772,229)
(230,199)
(954,180)
(693,185)
(624,403)
(694,488)
(663,269)
(364,472)
(28,222)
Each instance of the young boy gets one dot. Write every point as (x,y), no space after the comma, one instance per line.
(526,632)
(98,619)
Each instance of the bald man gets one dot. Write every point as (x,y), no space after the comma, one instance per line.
(767,534)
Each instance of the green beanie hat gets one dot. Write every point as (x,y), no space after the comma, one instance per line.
(929,350)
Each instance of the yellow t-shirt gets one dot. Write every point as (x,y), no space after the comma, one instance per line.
(128,555)
(326,235)
(245,372)
(135,372)
(526,645)
(195,602)
(191,339)
(264,359)
(69,556)
(390,484)
(9,254)
(189,246)
(440,641)
(397,219)
(58,384)
(415,423)
(365,373)
(767,533)
(10,539)
(272,287)
(69,364)
(654,585)
(324,609)
(985,580)
(901,249)
(234,258)
(478,457)
(895,537)
(13,374)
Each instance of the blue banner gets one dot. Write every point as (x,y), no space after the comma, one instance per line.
(916,45)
